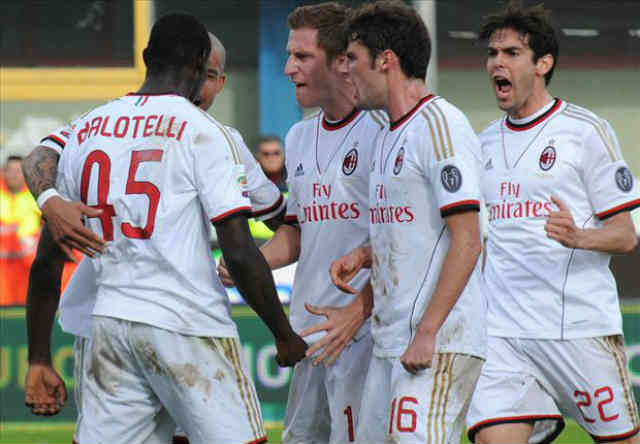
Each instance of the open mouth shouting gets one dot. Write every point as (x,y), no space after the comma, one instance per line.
(503,87)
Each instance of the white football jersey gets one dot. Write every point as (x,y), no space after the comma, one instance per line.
(328,177)
(79,297)
(161,170)
(537,287)
(426,168)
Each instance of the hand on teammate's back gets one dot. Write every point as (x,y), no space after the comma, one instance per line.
(290,350)
(224,274)
(64,220)
(45,392)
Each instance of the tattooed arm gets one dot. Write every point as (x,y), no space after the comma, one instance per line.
(64,219)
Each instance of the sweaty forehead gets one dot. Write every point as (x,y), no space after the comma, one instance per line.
(509,37)
(303,39)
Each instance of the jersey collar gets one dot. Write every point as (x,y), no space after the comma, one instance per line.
(332,126)
(541,118)
(395,125)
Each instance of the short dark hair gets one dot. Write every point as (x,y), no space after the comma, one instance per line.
(177,40)
(392,25)
(329,19)
(15,158)
(533,23)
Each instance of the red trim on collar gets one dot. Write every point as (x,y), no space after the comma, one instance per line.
(536,121)
(401,120)
(152,94)
(332,126)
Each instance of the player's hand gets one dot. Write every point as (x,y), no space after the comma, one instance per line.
(224,274)
(419,354)
(345,268)
(290,350)
(561,227)
(341,326)
(45,392)
(64,221)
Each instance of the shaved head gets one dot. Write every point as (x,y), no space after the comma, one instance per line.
(218,48)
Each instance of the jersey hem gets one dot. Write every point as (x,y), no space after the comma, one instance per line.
(270,211)
(570,335)
(223,332)
(613,438)
(397,352)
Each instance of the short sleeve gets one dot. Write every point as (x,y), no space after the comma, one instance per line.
(266,199)
(451,160)
(66,181)
(610,184)
(291,215)
(220,177)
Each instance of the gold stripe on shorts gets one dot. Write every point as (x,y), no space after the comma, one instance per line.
(228,351)
(433,398)
(251,395)
(446,396)
(620,359)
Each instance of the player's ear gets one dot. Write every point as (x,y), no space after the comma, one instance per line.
(544,64)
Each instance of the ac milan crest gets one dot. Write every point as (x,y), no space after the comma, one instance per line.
(397,165)
(547,158)
(624,179)
(350,162)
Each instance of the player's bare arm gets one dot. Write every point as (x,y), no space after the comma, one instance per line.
(253,278)
(341,326)
(461,258)
(617,236)
(45,392)
(64,219)
(345,268)
(281,250)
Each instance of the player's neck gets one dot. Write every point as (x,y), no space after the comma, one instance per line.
(336,110)
(164,85)
(534,103)
(404,97)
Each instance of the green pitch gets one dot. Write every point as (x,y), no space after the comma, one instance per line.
(62,433)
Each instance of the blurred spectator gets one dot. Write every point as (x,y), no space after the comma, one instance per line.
(19,231)
(270,155)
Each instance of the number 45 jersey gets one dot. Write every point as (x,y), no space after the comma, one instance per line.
(161,170)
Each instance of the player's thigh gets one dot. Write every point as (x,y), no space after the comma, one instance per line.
(508,394)
(203,383)
(373,420)
(431,406)
(591,382)
(122,405)
(307,417)
(345,384)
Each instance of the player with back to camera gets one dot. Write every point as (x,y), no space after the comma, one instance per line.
(428,297)
(194,132)
(559,196)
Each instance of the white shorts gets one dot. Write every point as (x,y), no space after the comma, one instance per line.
(324,403)
(429,407)
(140,375)
(530,380)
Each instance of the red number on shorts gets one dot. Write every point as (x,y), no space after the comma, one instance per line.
(152,192)
(349,414)
(133,187)
(586,402)
(104,171)
(605,401)
(402,410)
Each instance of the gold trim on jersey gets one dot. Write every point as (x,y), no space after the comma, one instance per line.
(574,112)
(442,386)
(235,152)
(377,118)
(446,395)
(446,126)
(433,134)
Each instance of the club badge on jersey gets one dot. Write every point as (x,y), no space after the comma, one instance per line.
(350,161)
(547,158)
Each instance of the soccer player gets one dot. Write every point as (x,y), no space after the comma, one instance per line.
(428,299)
(79,299)
(558,195)
(178,341)
(328,158)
